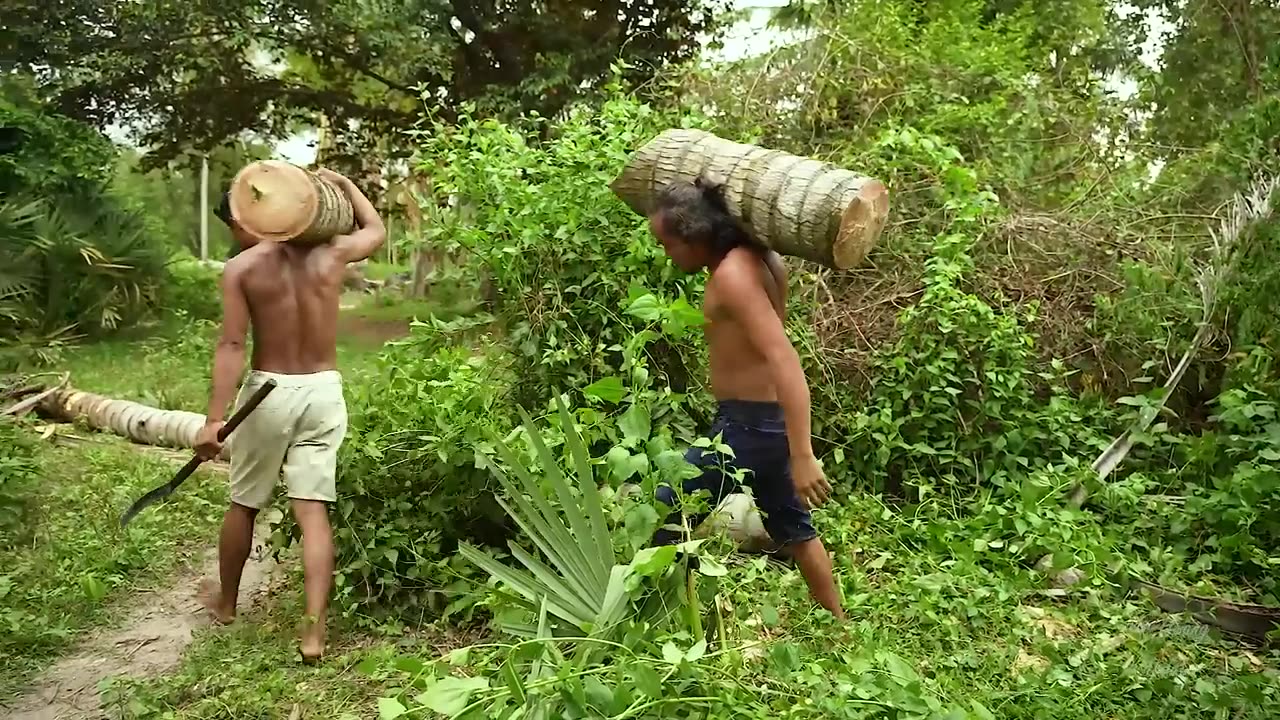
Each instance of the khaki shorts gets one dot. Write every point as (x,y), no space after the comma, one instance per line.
(295,434)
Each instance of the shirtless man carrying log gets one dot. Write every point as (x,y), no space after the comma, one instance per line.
(289,294)
(755,376)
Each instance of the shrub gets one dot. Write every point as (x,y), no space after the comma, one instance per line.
(17,473)
(78,267)
(410,482)
(194,289)
(563,254)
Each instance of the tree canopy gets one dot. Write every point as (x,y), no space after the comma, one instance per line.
(191,75)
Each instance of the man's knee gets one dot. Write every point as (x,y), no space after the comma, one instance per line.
(311,514)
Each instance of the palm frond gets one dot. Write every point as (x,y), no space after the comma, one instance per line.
(578,582)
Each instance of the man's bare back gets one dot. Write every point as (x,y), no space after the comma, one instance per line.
(739,371)
(292,295)
(288,295)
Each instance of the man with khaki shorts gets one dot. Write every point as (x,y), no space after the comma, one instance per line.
(292,436)
(289,295)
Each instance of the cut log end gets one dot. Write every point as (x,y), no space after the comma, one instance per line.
(280,202)
(861,223)
(273,200)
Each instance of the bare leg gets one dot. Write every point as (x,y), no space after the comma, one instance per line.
(234,545)
(317,566)
(815,566)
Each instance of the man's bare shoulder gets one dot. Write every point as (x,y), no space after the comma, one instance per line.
(738,272)
(247,259)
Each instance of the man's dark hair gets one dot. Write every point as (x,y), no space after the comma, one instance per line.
(697,212)
(223,211)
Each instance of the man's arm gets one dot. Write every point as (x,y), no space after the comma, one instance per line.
(747,301)
(228,355)
(371,233)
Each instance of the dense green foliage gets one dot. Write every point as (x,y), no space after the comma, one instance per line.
(75,257)
(1038,280)
(68,560)
(198,76)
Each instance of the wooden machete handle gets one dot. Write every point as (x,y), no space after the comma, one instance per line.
(254,401)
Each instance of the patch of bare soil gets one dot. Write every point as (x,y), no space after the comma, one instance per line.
(150,641)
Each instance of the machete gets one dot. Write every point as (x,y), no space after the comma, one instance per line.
(167,489)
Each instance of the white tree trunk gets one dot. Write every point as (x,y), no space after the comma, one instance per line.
(138,422)
(797,206)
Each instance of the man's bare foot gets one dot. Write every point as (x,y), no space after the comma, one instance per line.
(210,595)
(312,645)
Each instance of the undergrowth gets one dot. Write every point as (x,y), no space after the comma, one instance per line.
(68,566)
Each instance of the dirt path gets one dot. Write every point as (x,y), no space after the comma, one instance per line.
(151,640)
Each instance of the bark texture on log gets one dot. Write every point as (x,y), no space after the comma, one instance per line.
(140,423)
(281,202)
(797,206)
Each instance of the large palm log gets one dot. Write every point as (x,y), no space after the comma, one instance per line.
(795,205)
(140,423)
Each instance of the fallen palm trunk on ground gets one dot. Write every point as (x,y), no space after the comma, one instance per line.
(140,423)
(797,206)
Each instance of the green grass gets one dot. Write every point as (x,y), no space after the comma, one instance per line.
(69,567)
(381,270)
(169,369)
(925,630)
(252,670)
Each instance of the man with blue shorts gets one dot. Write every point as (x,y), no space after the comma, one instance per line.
(756,378)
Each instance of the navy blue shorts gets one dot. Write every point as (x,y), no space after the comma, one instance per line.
(758,435)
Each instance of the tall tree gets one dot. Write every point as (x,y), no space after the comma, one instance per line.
(1218,62)
(193,74)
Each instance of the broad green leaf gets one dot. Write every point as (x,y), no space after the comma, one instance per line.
(608,389)
(769,614)
(685,314)
(635,424)
(390,708)
(647,680)
(646,307)
(410,665)
(653,560)
(711,567)
(671,653)
(450,695)
(623,465)
(598,695)
(697,652)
